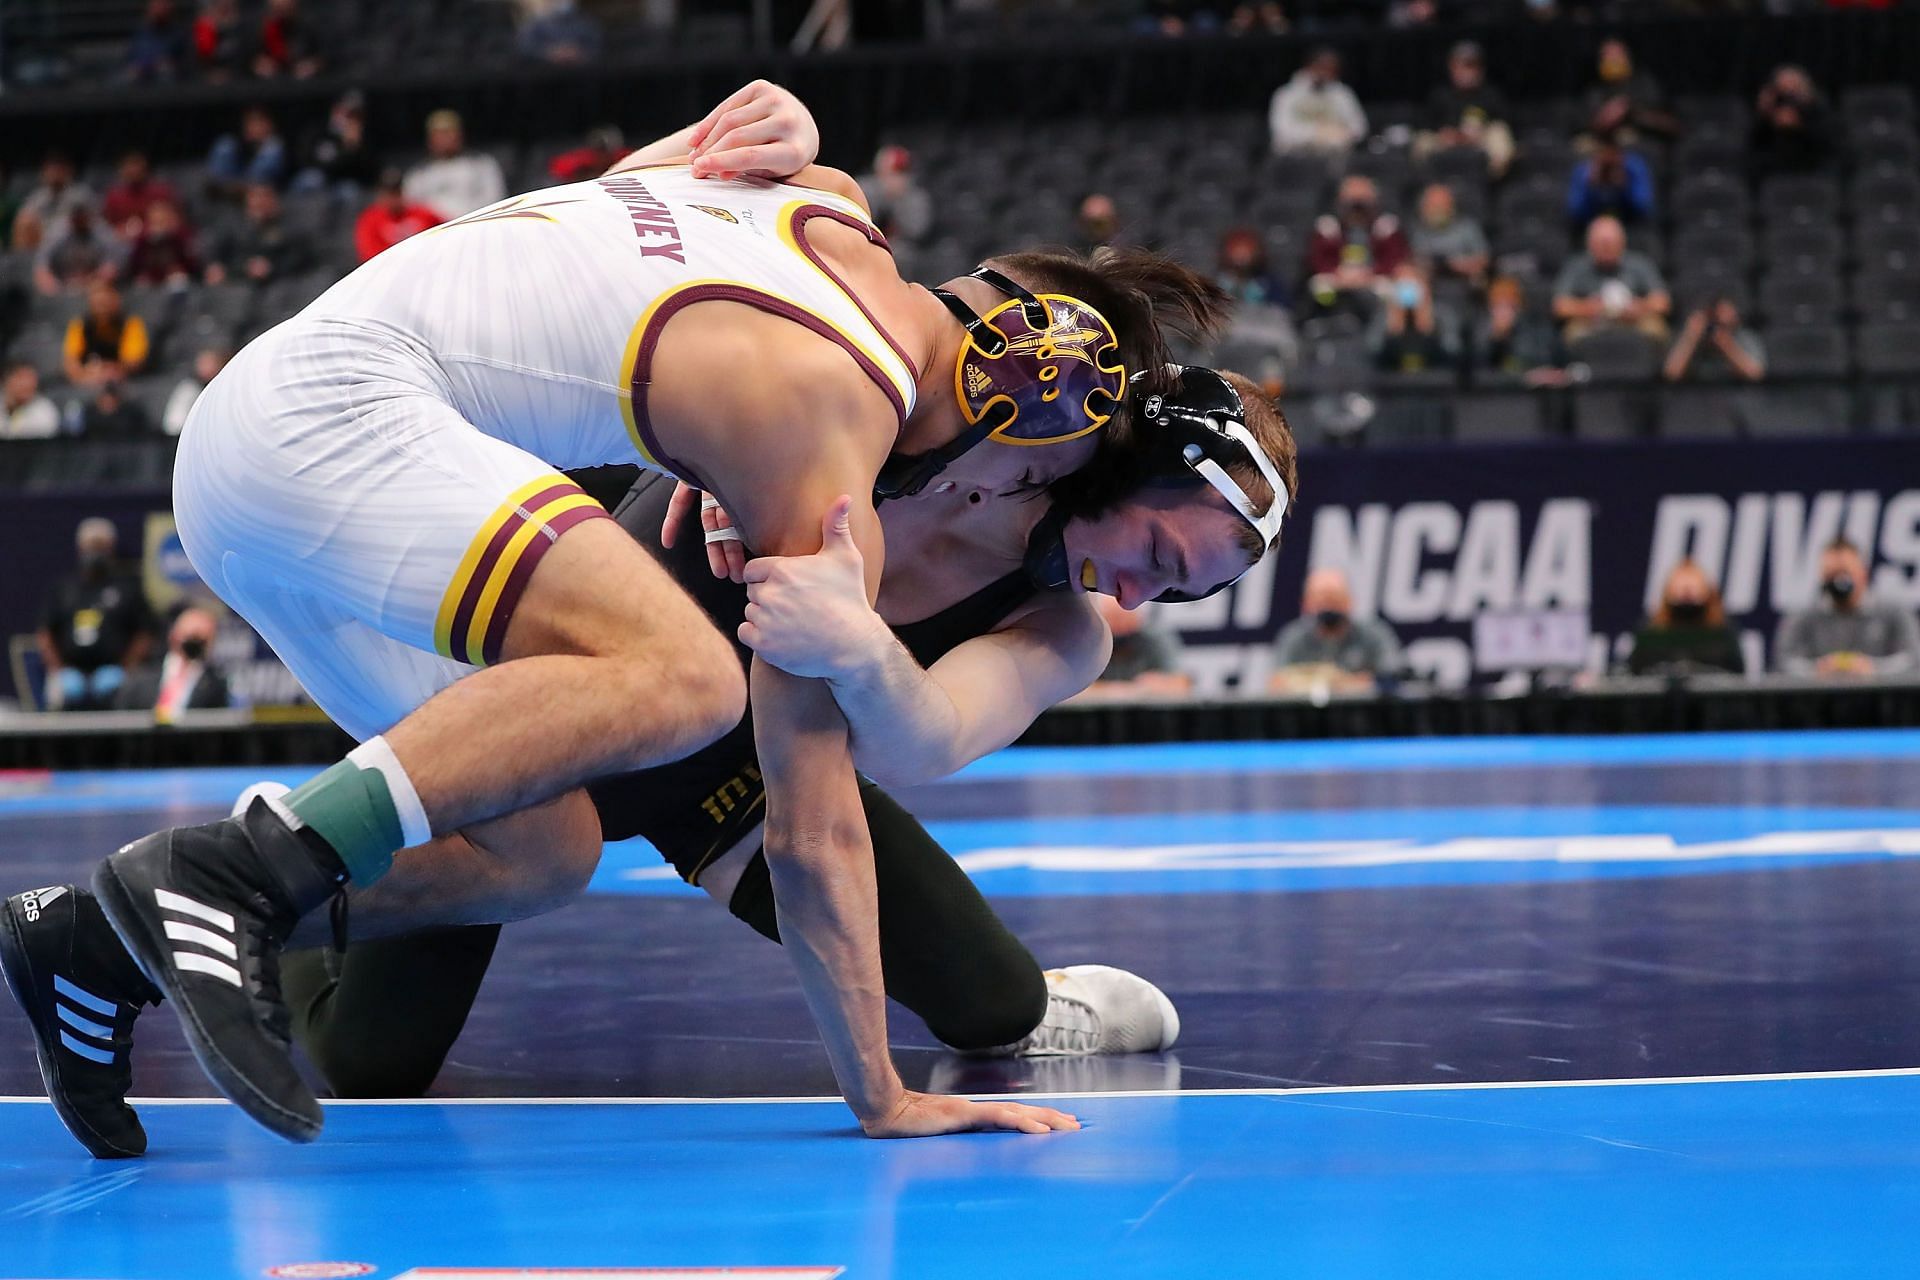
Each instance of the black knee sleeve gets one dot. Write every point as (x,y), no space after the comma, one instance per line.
(379,1019)
(944,953)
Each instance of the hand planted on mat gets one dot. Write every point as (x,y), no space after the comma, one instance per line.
(762,131)
(808,615)
(922,1115)
(727,559)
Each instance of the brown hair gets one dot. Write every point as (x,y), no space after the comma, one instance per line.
(1716,607)
(1269,427)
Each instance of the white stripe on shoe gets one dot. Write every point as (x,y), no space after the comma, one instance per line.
(170,901)
(203,937)
(84,1049)
(82,997)
(194,962)
(85,1026)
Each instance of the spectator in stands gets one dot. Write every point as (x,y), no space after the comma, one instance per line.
(391,218)
(1469,112)
(186,679)
(206,366)
(1625,102)
(159,48)
(1409,334)
(1715,345)
(1097,223)
(133,191)
(1146,656)
(1327,647)
(339,160)
(604,148)
(286,44)
(453,181)
(254,155)
(1268,19)
(1355,251)
(1514,340)
(901,206)
(110,415)
(1314,112)
(1448,245)
(1608,286)
(556,31)
(1793,128)
(163,252)
(45,211)
(1846,634)
(96,625)
(262,248)
(219,41)
(1612,181)
(1688,633)
(84,252)
(106,344)
(1244,272)
(25,414)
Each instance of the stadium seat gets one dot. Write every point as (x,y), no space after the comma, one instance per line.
(1800,200)
(1493,416)
(1601,413)
(1693,288)
(1617,355)
(1789,298)
(1804,249)
(1722,250)
(1708,153)
(1806,352)
(1711,200)
(1887,350)
(1798,411)
(1700,413)
(1881,297)
(1894,248)
(1877,102)
(1884,195)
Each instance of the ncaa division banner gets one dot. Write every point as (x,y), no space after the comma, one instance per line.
(1430,538)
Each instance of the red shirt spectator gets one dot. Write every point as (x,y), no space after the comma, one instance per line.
(605,148)
(287,45)
(218,44)
(134,192)
(163,252)
(391,218)
(1358,243)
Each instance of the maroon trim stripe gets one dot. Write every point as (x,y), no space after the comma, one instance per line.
(522,573)
(496,546)
(641,375)
(807,213)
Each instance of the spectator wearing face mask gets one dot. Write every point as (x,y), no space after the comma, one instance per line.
(1468,112)
(1097,223)
(96,625)
(1845,633)
(1409,334)
(1792,125)
(1355,251)
(1448,243)
(1513,340)
(1625,98)
(1314,112)
(1146,656)
(186,679)
(1327,647)
(106,344)
(1688,633)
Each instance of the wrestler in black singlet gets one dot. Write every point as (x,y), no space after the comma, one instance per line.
(379,1020)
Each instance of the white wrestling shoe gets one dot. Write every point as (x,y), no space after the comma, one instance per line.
(1095,1008)
(271,790)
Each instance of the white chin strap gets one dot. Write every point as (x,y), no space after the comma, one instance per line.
(1268,521)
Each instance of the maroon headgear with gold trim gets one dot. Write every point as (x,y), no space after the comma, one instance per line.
(1039,369)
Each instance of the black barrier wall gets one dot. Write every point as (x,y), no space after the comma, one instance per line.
(1430,538)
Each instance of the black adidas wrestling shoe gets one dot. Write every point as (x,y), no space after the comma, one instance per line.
(205,912)
(81,992)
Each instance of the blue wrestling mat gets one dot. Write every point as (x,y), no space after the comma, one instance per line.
(1393,962)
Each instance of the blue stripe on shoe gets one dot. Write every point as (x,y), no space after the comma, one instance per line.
(85,1050)
(85,999)
(83,1025)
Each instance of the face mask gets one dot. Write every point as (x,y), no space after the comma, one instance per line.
(1687,611)
(1359,210)
(1330,619)
(94,566)
(1839,587)
(1408,292)
(193,648)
